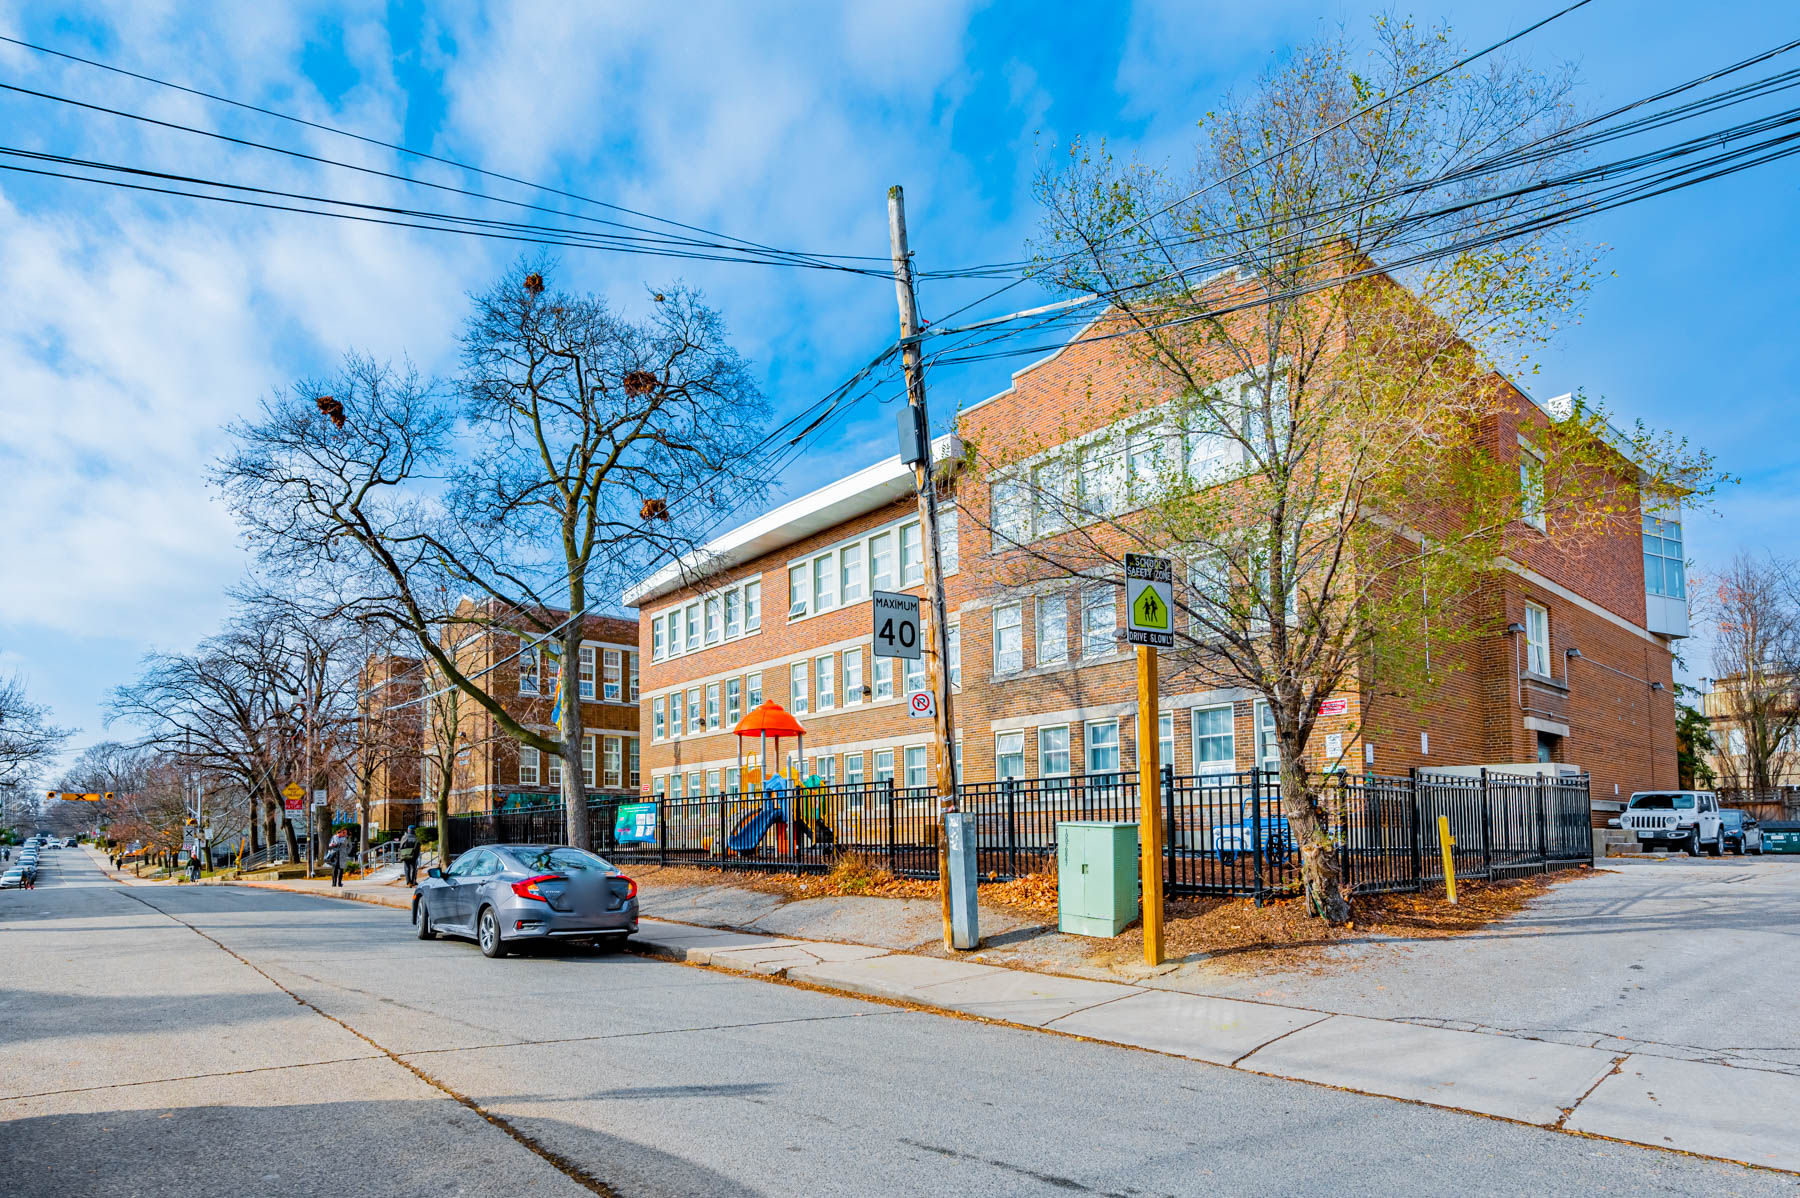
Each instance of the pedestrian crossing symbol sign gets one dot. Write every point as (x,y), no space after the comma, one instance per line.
(1150,593)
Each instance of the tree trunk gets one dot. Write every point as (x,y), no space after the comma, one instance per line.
(256,806)
(441,804)
(1318,858)
(574,788)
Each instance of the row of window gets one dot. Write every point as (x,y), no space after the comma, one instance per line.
(1099,629)
(732,612)
(618,764)
(874,766)
(846,573)
(618,673)
(1212,728)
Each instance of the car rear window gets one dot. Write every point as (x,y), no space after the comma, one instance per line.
(562,860)
(1662,802)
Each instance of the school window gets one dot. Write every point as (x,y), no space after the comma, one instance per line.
(797,687)
(734,782)
(553,770)
(825,682)
(528,671)
(1268,746)
(659,786)
(675,710)
(853,678)
(659,719)
(674,632)
(712,782)
(1099,622)
(633,778)
(734,701)
(1215,749)
(826,768)
(1103,747)
(734,613)
(884,677)
(912,556)
(853,769)
(631,676)
(824,579)
(1531,487)
(693,627)
(753,685)
(612,667)
(712,705)
(1665,567)
(752,606)
(552,671)
(881,561)
(696,716)
(528,766)
(1053,498)
(1052,629)
(884,765)
(612,762)
(915,674)
(714,623)
(1053,751)
(587,671)
(915,767)
(949,552)
(1009,504)
(850,573)
(693,783)
(656,639)
(798,589)
(955,638)
(1009,648)
(1009,755)
(587,761)
(674,786)
(1165,739)
(1537,639)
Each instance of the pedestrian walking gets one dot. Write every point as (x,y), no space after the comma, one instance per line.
(194,867)
(409,855)
(335,852)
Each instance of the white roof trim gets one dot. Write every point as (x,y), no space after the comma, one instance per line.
(857,494)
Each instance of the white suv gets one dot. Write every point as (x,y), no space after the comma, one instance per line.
(1675,819)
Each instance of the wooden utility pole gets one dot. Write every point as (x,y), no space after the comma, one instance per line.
(937,659)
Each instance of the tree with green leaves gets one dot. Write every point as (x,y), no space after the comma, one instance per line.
(1304,406)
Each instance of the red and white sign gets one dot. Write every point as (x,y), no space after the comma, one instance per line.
(921,704)
(1334,707)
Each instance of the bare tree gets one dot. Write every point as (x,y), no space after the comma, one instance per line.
(1755,704)
(28,740)
(1306,416)
(601,445)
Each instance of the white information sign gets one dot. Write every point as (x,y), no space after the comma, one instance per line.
(921,705)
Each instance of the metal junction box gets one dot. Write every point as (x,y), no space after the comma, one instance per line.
(1096,876)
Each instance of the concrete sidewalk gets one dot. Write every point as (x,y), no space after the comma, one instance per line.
(1711,1109)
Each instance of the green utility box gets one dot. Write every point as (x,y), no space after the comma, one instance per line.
(1782,836)
(1096,876)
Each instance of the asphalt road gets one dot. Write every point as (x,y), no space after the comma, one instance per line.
(213,1040)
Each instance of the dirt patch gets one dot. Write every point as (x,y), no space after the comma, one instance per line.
(1237,935)
(1033,896)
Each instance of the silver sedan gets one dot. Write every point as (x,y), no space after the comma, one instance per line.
(501,895)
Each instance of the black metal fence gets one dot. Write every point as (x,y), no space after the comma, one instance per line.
(1224,834)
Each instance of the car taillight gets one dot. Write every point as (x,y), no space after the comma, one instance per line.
(630,886)
(529,887)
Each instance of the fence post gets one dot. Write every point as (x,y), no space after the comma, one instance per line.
(1012,828)
(1343,806)
(1416,805)
(1487,839)
(662,830)
(1256,824)
(719,849)
(893,862)
(1168,789)
(1543,828)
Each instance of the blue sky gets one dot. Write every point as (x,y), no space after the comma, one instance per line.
(132,328)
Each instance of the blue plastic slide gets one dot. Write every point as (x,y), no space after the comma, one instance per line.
(752,828)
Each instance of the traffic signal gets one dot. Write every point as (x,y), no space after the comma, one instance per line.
(109,796)
(51,795)
(190,821)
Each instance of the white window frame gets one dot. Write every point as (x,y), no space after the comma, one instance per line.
(714,620)
(1263,743)
(881,549)
(1008,638)
(912,679)
(825,682)
(734,701)
(585,666)
(1052,634)
(1165,739)
(799,591)
(1009,746)
(797,687)
(1537,639)
(853,573)
(612,675)
(884,765)
(612,763)
(528,671)
(1090,742)
(634,774)
(953,635)
(853,769)
(658,641)
(1093,600)
(677,715)
(912,572)
(949,541)
(712,706)
(1531,486)
(587,761)
(1202,764)
(696,713)
(1044,752)
(734,613)
(884,678)
(824,571)
(753,690)
(659,718)
(691,618)
(853,676)
(918,763)
(753,606)
(528,766)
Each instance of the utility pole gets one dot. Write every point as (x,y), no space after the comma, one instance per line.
(937,662)
(311,840)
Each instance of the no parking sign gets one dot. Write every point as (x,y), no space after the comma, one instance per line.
(921,705)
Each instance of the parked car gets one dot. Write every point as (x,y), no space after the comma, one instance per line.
(501,895)
(1675,819)
(13,879)
(1743,834)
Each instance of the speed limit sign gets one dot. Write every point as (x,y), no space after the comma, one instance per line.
(897,625)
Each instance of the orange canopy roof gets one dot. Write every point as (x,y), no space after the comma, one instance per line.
(769,717)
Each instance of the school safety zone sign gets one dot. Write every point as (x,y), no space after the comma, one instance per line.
(1150,601)
(897,625)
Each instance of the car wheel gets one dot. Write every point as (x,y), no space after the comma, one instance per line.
(487,933)
(1691,846)
(1737,848)
(1717,847)
(422,921)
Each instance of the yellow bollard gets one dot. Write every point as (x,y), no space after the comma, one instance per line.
(1447,842)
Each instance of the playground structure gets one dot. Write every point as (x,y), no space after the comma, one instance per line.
(790,806)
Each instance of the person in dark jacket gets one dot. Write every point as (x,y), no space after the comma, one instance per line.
(335,854)
(409,855)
